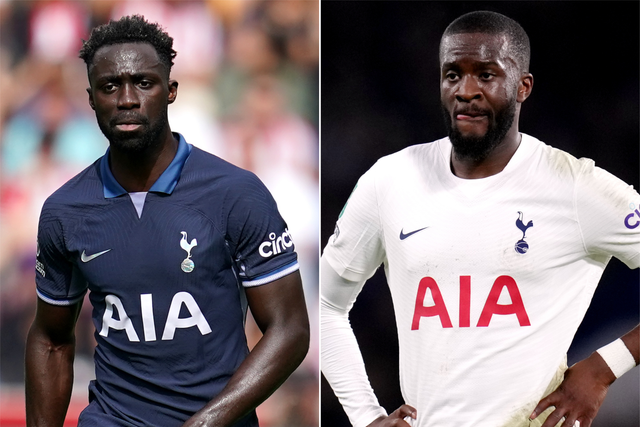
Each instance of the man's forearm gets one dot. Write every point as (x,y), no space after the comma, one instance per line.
(341,359)
(343,367)
(585,386)
(49,380)
(621,355)
(281,314)
(278,353)
(632,340)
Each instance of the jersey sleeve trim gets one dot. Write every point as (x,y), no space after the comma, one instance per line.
(273,276)
(59,302)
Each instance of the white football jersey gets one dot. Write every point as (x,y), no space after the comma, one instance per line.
(490,278)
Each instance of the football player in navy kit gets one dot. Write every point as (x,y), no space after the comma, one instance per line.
(173,245)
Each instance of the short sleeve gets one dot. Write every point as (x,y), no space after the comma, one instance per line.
(261,243)
(58,281)
(356,248)
(608,212)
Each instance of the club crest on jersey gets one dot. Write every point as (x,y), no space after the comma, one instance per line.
(187,264)
(521,246)
(275,245)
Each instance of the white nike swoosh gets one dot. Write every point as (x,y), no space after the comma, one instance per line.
(86,258)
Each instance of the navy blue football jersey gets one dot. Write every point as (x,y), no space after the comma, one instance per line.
(166,285)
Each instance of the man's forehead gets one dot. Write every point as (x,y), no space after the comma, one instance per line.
(126,57)
(477,46)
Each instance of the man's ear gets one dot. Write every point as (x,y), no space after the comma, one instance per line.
(91,104)
(173,91)
(525,86)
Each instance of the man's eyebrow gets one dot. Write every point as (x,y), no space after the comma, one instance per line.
(476,64)
(135,76)
(143,75)
(482,64)
(105,77)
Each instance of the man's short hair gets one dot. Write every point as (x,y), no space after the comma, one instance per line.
(129,29)
(494,23)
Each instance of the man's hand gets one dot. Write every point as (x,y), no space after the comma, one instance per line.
(580,395)
(396,418)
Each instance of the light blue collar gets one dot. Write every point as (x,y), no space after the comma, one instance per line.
(165,183)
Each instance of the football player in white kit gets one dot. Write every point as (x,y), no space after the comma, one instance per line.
(493,244)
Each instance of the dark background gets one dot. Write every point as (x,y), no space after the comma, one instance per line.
(380,93)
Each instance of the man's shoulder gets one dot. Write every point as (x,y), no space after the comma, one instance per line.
(398,173)
(414,155)
(212,177)
(209,166)
(85,187)
(562,163)
(432,148)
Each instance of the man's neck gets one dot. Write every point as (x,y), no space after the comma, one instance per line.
(493,164)
(138,171)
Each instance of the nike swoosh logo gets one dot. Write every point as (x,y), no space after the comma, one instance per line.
(404,236)
(86,258)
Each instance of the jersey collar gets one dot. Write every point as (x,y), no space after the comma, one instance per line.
(165,183)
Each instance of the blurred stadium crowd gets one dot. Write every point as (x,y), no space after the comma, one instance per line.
(248,75)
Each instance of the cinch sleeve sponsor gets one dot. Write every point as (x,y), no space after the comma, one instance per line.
(261,243)
(607,210)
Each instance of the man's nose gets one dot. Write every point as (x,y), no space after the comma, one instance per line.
(128,98)
(468,89)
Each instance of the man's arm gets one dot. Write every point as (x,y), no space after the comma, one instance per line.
(585,385)
(342,363)
(602,206)
(49,363)
(280,312)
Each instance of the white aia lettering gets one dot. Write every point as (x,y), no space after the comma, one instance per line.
(490,308)
(275,245)
(174,321)
(109,322)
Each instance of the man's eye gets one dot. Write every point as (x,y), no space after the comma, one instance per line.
(451,76)
(109,87)
(486,76)
(145,84)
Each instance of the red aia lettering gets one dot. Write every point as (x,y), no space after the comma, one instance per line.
(438,309)
(491,306)
(465,301)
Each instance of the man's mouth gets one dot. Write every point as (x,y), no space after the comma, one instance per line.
(470,115)
(128,124)
(128,127)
